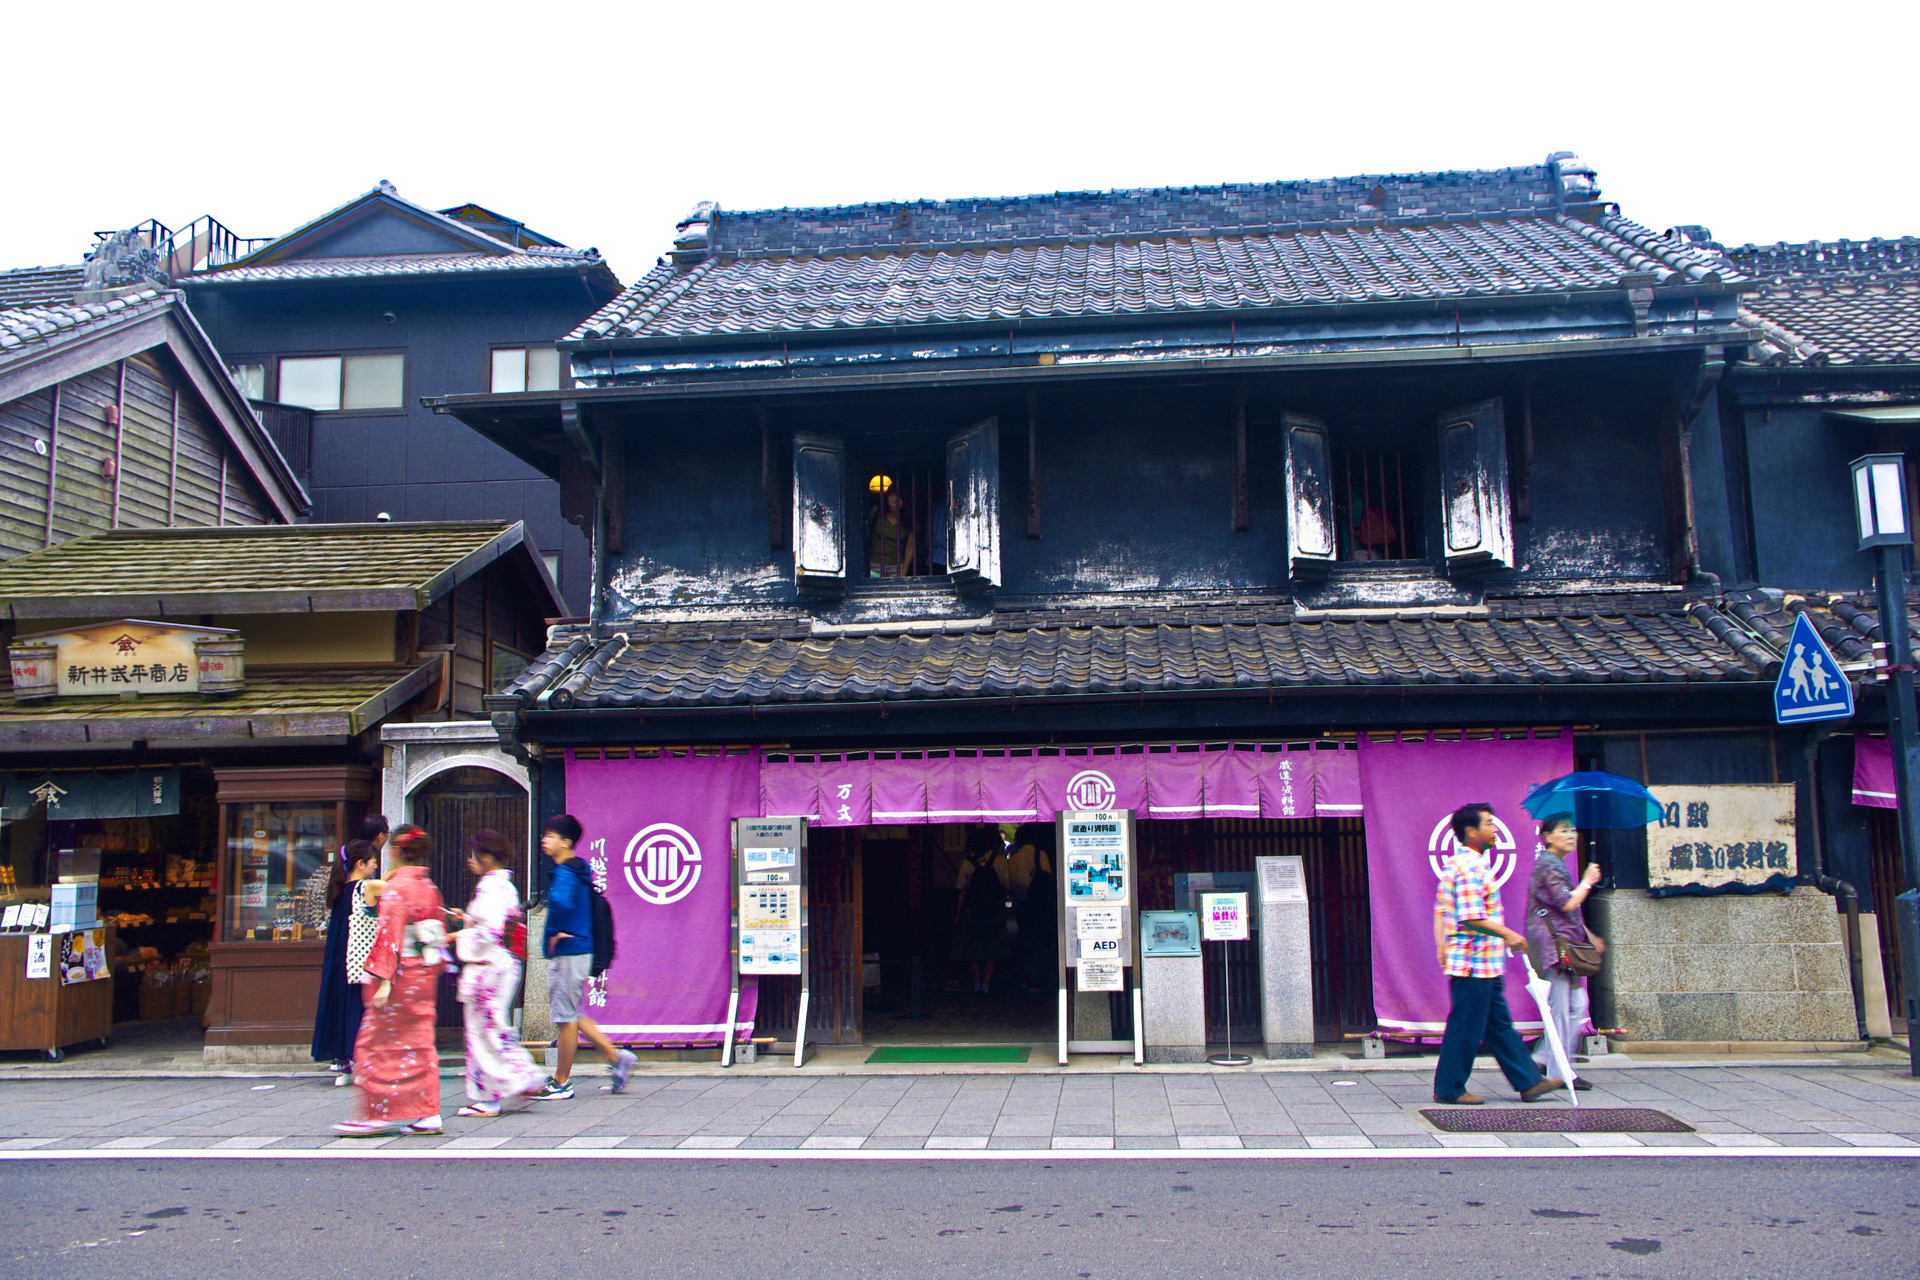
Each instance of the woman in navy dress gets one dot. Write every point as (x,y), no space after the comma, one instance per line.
(336,1024)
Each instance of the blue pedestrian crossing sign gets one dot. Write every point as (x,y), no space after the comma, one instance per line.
(1811,686)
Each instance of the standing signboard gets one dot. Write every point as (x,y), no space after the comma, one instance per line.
(1223,918)
(1099,934)
(769,913)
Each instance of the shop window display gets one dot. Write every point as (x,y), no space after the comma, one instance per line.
(278,855)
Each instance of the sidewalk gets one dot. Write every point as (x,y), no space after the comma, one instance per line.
(781,1109)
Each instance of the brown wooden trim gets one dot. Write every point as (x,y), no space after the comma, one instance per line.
(306,782)
(223,491)
(119,435)
(173,461)
(53,459)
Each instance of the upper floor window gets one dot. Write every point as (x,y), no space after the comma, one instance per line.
(897,509)
(251,379)
(329,384)
(1378,503)
(525,369)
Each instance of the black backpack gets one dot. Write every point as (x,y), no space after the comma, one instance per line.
(602,930)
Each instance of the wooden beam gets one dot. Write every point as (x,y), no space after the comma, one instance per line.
(173,459)
(1033,464)
(1242,514)
(119,433)
(53,458)
(770,490)
(223,490)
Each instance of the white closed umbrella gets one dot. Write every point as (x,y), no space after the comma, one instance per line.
(1542,992)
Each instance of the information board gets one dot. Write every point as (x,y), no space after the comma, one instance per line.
(1283,879)
(1095,855)
(769,894)
(1223,917)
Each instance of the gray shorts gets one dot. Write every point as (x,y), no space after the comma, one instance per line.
(566,981)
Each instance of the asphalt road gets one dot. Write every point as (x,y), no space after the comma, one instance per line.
(1591,1219)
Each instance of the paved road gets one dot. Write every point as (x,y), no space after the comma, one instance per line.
(1108,1219)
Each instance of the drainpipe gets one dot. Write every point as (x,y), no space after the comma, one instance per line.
(1835,888)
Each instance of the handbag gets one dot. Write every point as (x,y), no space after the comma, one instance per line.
(1582,960)
(361,930)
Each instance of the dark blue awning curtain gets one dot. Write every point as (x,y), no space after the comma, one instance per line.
(71,795)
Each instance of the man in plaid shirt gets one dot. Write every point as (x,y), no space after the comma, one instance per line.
(1472,942)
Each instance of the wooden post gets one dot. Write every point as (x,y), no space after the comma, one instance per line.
(1242,516)
(223,491)
(173,458)
(53,458)
(1033,465)
(119,432)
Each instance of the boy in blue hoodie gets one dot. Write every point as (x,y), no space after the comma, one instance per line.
(569,948)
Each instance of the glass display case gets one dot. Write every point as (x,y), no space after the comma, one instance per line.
(274,852)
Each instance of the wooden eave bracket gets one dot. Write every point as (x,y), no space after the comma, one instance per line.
(576,431)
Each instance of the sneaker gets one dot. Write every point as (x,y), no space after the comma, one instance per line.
(1542,1089)
(552,1091)
(622,1068)
(1464,1100)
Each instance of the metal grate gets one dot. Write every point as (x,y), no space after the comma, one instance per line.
(1567,1120)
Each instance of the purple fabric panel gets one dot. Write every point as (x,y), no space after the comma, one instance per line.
(1090,782)
(1873,773)
(1176,787)
(1231,780)
(846,792)
(1336,784)
(1410,789)
(1007,788)
(900,790)
(952,789)
(1286,784)
(658,831)
(789,790)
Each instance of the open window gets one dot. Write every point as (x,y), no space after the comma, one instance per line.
(1390,491)
(896,507)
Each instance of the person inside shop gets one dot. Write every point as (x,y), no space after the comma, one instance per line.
(1472,939)
(395,1064)
(352,921)
(1031,883)
(980,918)
(890,537)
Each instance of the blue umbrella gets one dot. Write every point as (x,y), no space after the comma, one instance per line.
(1597,801)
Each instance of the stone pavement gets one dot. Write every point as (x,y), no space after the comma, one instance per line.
(1761,1107)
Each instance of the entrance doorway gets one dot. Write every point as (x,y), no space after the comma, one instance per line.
(452,806)
(890,964)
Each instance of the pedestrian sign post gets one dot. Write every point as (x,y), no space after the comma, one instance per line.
(1811,686)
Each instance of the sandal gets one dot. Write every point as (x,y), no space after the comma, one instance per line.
(368,1129)
(427,1127)
(479,1110)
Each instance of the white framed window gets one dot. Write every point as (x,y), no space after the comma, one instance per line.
(328,384)
(251,378)
(525,369)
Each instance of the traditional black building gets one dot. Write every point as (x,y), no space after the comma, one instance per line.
(1264,464)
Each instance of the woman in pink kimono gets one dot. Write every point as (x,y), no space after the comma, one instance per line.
(492,944)
(394,1062)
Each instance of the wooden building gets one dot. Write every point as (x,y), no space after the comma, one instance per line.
(307,640)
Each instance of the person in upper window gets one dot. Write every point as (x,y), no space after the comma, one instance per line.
(890,540)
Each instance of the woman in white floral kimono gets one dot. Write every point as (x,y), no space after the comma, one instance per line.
(491,946)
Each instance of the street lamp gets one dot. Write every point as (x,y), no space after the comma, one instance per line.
(1880,505)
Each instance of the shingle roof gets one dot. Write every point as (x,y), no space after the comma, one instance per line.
(1845,302)
(1494,258)
(22,328)
(39,286)
(693,665)
(424,264)
(251,569)
(277,702)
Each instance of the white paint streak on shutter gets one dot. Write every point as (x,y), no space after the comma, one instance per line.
(973,506)
(1311,542)
(1476,509)
(819,512)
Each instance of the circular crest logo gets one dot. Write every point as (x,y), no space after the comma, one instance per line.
(1504,857)
(1091,789)
(663,863)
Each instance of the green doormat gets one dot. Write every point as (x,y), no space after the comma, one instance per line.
(951,1053)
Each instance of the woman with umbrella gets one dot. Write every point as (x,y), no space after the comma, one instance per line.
(1557,933)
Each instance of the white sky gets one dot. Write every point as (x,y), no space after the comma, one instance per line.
(603,124)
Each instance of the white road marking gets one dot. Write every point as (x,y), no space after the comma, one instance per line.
(361,1151)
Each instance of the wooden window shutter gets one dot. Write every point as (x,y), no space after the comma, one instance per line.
(973,506)
(1311,542)
(1476,510)
(819,512)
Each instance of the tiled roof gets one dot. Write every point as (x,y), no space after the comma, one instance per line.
(39,286)
(1842,302)
(27,327)
(251,569)
(697,665)
(1380,239)
(277,702)
(424,264)
(1849,624)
